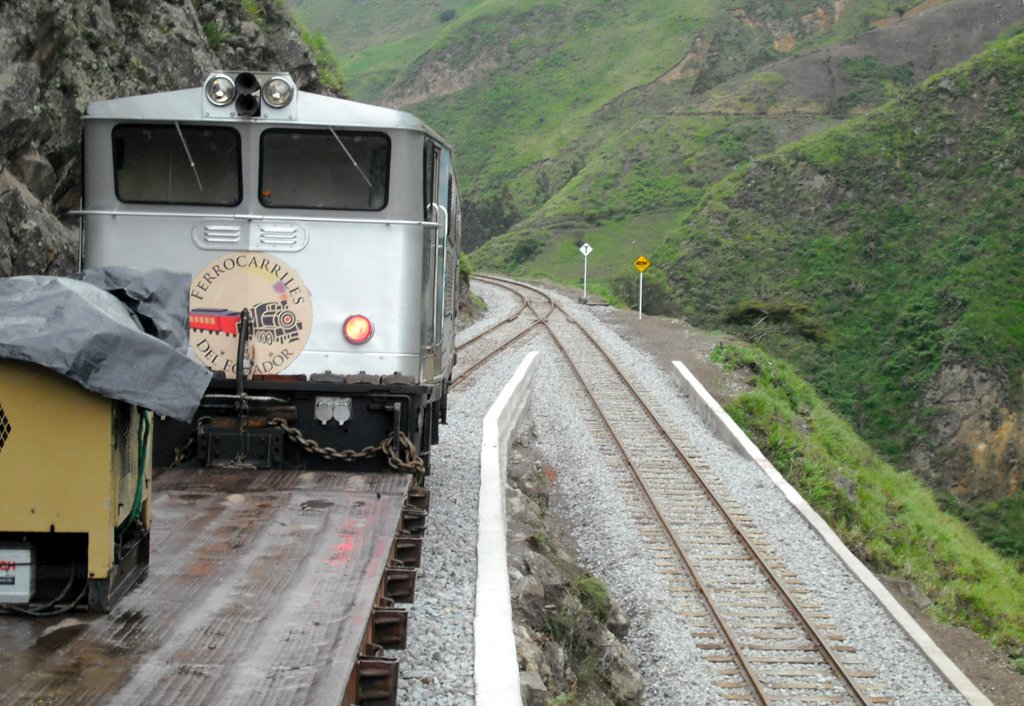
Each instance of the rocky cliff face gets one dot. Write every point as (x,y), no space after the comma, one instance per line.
(976,445)
(57,56)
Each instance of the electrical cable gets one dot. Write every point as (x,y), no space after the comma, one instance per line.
(47,609)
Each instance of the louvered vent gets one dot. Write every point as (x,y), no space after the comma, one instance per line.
(217,235)
(289,237)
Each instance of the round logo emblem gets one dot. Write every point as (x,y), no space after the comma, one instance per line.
(278,304)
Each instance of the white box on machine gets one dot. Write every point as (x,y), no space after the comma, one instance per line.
(16,573)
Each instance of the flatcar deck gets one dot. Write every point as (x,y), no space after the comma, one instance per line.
(260,591)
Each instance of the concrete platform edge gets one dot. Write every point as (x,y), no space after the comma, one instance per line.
(496,669)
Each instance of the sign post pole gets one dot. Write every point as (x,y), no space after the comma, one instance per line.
(640,302)
(641,264)
(586,250)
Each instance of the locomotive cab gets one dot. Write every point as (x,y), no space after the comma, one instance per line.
(321,237)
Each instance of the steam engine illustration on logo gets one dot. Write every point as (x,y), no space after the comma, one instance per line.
(272,322)
(321,237)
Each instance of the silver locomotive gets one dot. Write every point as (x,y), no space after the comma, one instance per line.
(322,239)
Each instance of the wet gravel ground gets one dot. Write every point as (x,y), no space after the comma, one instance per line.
(437,667)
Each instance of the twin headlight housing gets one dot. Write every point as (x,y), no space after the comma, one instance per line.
(248,94)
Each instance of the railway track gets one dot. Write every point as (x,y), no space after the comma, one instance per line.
(752,619)
(533,309)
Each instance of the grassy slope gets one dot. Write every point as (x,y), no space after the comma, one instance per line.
(520,126)
(888,518)
(897,237)
(375,41)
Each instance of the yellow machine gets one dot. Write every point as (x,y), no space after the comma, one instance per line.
(75,477)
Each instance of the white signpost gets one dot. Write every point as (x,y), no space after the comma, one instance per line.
(586,250)
(641,264)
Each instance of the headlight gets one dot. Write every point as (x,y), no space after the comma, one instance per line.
(220,90)
(277,92)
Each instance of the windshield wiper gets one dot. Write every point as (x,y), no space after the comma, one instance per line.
(351,158)
(188,154)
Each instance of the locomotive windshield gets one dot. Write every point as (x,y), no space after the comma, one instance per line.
(177,164)
(324,169)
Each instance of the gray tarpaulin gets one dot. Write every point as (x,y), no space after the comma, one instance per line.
(158,298)
(91,336)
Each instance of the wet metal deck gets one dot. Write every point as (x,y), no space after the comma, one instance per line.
(259,589)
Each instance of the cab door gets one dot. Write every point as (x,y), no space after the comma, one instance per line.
(434,214)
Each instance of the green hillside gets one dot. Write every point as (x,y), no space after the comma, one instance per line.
(375,41)
(878,251)
(525,131)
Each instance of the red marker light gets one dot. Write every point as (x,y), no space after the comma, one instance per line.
(357,329)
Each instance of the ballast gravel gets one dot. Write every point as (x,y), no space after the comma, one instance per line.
(437,666)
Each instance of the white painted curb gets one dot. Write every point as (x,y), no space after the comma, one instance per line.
(726,429)
(496,669)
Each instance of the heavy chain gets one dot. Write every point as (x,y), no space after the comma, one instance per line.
(412,464)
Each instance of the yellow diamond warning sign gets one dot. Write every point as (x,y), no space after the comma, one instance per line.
(641,263)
